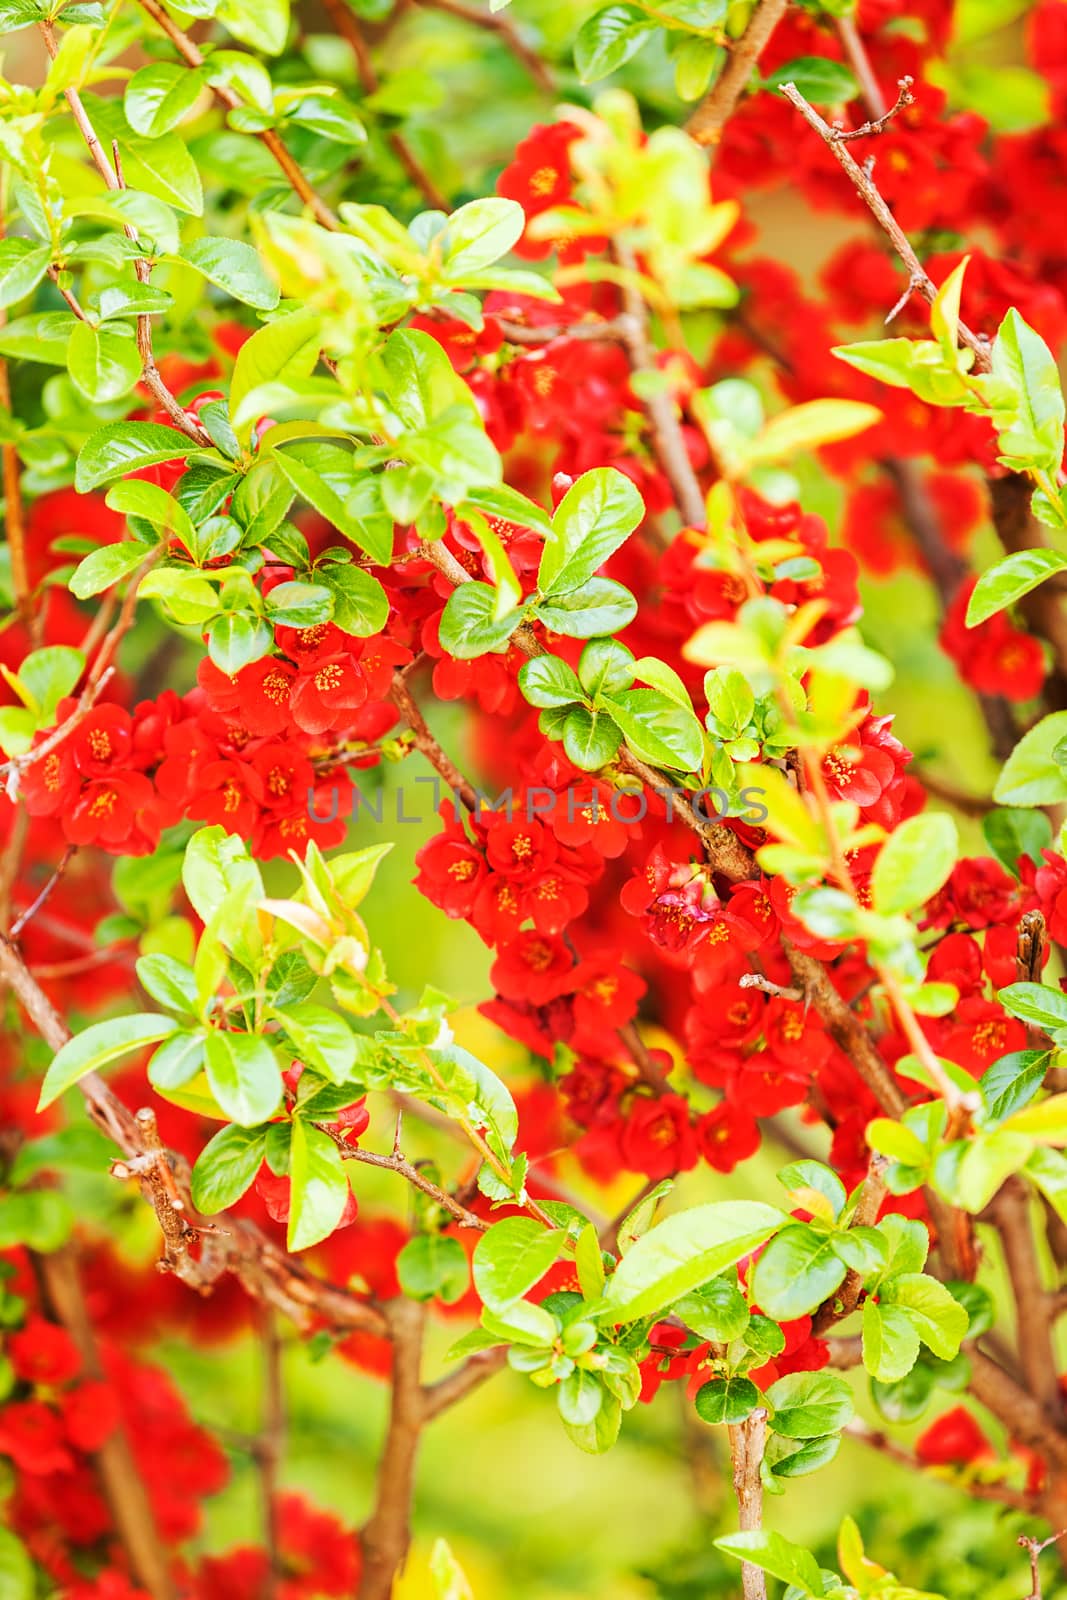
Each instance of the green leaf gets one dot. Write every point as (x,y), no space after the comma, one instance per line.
(914,863)
(600,606)
(658,730)
(158,97)
(468,625)
(360,604)
(41,1219)
(284,349)
(103,363)
(23,263)
(1022,359)
(322,1039)
(549,681)
(806,1405)
(319,1186)
(1001,585)
(1036,1003)
(511,1257)
(890,1341)
(103,568)
(237,638)
(219,875)
(590,738)
(263,24)
(96,1046)
(17,1580)
(243,1075)
(170,982)
(1012,834)
(373,535)
(717,1310)
(607,667)
(478,234)
(796,1273)
(299,605)
(598,1436)
(727,1400)
(773,1553)
(121,447)
(937,1317)
(1032,776)
(824,82)
(178,1060)
(43,337)
(46,675)
(683,1252)
(596,515)
(579,1398)
(165,168)
(1011,1083)
(432,1266)
(226,1167)
(608,39)
(234,266)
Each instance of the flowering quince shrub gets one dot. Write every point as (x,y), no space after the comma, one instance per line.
(312,427)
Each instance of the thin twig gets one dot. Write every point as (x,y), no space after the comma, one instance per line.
(424,740)
(344,21)
(268,137)
(868,191)
(878,124)
(500,23)
(31,910)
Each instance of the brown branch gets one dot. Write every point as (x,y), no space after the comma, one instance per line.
(500,23)
(842,1303)
(443,1394)
(1023,1415)
(268,137)
(615,329)
(668,441)
(410,1173)
(425,741)
(1011,1215)
(866,188)
(386,1535)
(121,1478)
(747,1443)
(347,26)
(268,1273)
(711,116)
(31,910)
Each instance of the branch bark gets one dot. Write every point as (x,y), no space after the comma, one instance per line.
(387,1533)
(747,1443)
(711,116)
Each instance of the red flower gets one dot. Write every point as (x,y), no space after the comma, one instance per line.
(726,1136)
(116,812)
(451,869)
(258,695)
(90,1414)
(954,1440)
(101,743)
(327,692)
(533,967)
(32,1435)
(228,792)
(42,1352)
(539,176)
(657,1138)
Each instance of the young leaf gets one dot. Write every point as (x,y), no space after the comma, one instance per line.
(1001,585)
(596,515)
(96,1046)
(226,1167)
(513,1256)
(243,1075)
(914,863)
(319,1187)
(684,1251)
(121,447)
(235,267)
